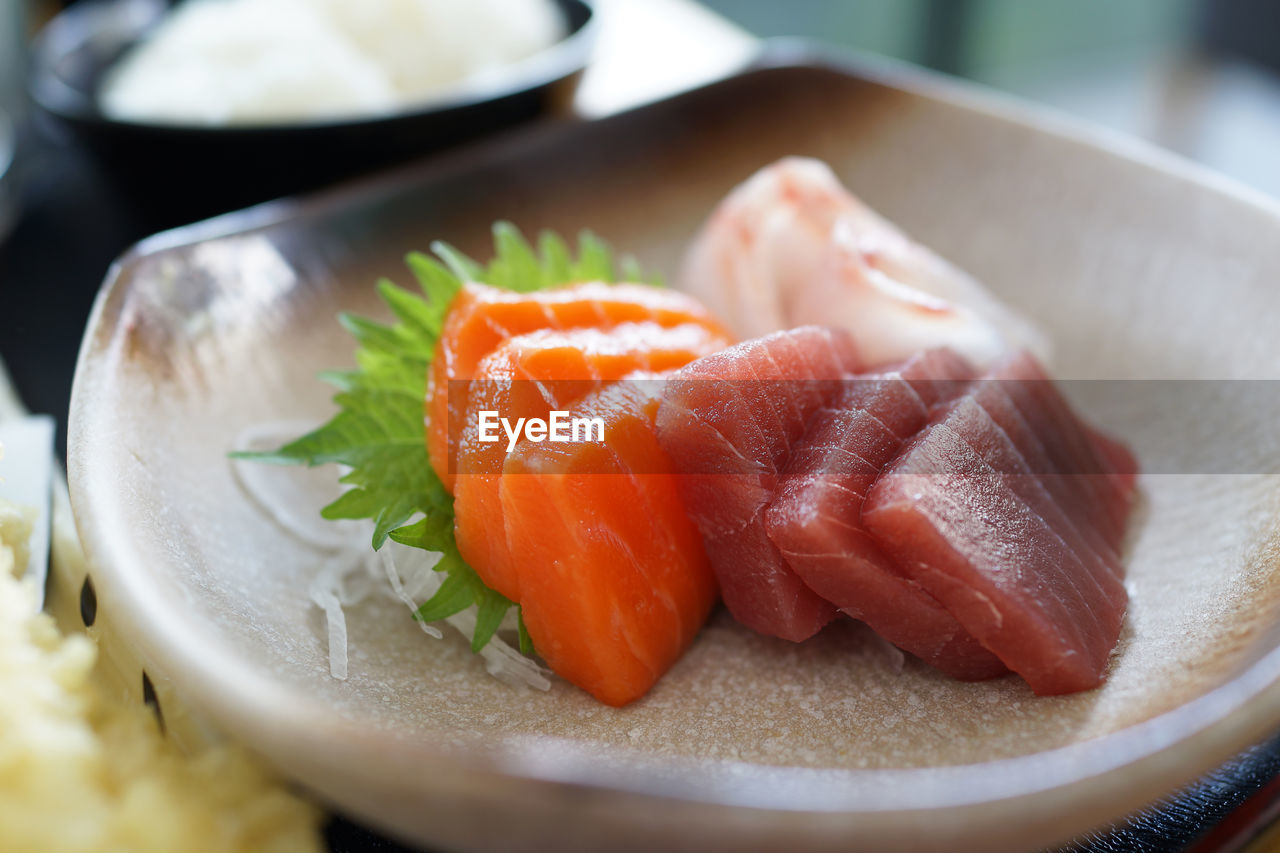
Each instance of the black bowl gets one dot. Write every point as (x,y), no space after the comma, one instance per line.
(175,173)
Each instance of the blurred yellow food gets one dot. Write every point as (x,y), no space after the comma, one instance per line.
(79,773)
(15,530)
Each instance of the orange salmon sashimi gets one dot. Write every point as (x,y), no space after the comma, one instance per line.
(614,581)
(529,376)
(482,317)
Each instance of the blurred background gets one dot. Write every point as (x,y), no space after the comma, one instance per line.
(1199,77)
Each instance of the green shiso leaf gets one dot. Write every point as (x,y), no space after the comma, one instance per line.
(526,642)
(379,432)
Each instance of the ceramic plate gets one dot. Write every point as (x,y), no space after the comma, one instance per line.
(1140,267)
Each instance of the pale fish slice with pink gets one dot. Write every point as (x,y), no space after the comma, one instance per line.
(792,246)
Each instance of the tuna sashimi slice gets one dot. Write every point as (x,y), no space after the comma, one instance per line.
(614,583)
(962,512)
(902,398)
(1103,470)
(1099,564)
(815,518)
(1075,494)
(729,422)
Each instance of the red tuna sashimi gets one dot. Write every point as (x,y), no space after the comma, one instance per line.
(963,513)
(1100,565)
(1077,495)
(816,517)
(729,422)
(1103,469)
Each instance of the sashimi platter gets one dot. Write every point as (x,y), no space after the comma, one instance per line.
(799,463)
(822,422)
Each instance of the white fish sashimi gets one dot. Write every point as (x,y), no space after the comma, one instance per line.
(891,319)
(764,243)
(791,246)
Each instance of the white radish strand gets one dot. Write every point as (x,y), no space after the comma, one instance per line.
(411,572)
(422,584)
(351,571)
(289,495)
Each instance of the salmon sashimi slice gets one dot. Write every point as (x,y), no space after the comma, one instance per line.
(1007,549)
(482,317)
(815,519)
(614,582)
(529,376)
(730,421)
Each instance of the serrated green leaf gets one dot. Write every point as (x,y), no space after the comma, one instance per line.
(266,457)
(424,533)
(380,371)
(516,266)
(491,607)
(368,333)
(629,269)
(418,316)
(379,433)
(526,642)
(377,337)
(557,263)
(354,503)
(463,268)
(343,380)
(456,594)
(595,262)
(438,284)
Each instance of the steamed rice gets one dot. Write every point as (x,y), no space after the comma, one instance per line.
(267,61)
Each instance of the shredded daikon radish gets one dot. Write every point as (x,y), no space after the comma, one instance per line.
(336,622)
(339,583)
(351,570)
(893,656)
(411,571)
(291,496)
(421,584)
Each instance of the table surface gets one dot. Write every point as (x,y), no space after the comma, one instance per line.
(70,228)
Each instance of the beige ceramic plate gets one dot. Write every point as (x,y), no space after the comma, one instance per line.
(1138,265)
